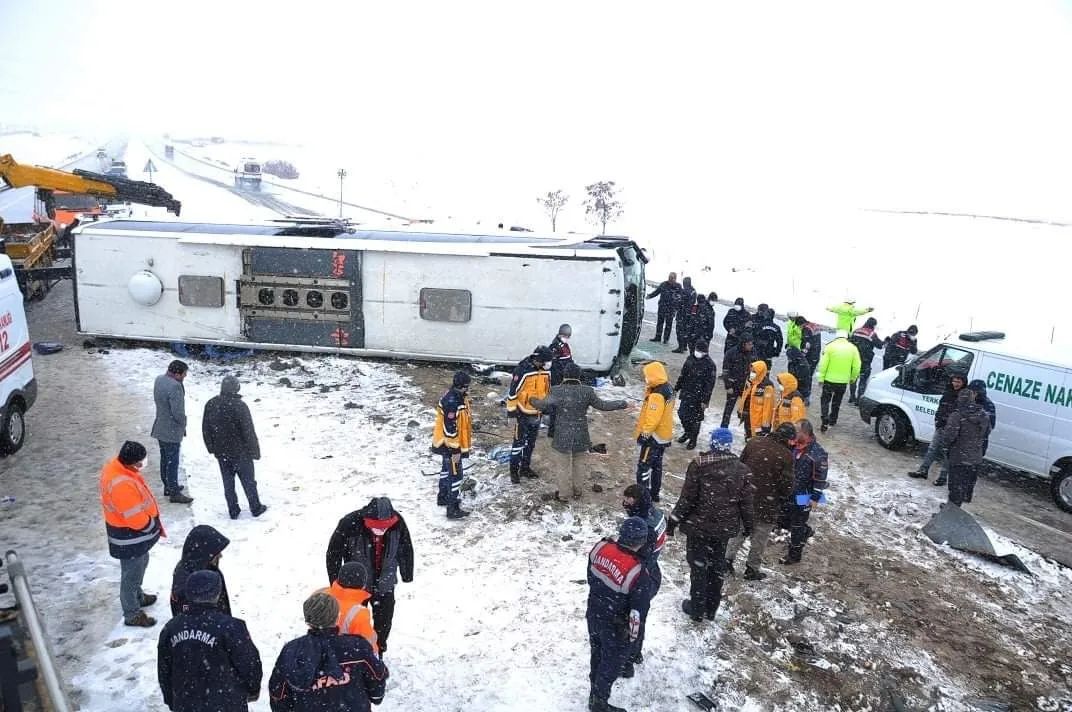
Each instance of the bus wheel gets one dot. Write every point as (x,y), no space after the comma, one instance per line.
(13,431)
(1061,487)
(892,428)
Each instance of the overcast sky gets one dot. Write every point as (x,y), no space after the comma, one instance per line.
(691,107)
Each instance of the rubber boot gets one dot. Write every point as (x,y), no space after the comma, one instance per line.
(751,574)
(455,511)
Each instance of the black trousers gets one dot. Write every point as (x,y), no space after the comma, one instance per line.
(684,326)
(733,392)
(692,417)
(799,531)
(962,479)
(707,570)
(857,389)
(831,401)
(383,613)
(664,323)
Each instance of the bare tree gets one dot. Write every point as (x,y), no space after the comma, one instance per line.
(552,203)
(602,206)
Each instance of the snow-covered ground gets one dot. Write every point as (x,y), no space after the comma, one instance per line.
(494,619)
(45,149)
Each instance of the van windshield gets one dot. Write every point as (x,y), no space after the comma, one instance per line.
(930,373)
(633,312)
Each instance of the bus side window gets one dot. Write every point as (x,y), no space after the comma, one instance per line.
(200,291)
(454,305)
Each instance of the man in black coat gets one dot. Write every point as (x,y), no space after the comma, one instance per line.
(734,322)
(900,346)
(686,311)
(768,338)
(206,660)
(702,326)
(735,369)
(937,449)
(377,536)
(200,552)
(669,294)
(866,341)
(323,671)
(227,428)
(694,386)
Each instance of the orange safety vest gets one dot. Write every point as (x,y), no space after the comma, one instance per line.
(355,618)
(131,515)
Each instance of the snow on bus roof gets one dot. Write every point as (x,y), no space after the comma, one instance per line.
(321,234)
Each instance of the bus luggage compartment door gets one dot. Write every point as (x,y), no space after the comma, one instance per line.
(302,297)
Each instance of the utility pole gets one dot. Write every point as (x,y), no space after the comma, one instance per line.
(342,175)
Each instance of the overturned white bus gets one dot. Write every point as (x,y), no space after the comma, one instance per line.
(308,285)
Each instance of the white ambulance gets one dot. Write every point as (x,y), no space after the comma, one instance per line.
(18,388)
(1031,388)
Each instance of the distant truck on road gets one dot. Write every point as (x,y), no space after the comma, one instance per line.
(247,175)
(118,169)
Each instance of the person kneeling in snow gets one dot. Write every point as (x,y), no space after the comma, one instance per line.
(619,594)
(355,612)
(378,537)
(324,671)
(715,500)
(206,659)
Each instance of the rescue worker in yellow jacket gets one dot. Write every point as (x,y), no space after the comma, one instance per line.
(839,366)
(755,407)
(451,438)
(655,428)
(531,380)
(790,408)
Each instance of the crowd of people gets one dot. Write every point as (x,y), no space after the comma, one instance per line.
(207,660)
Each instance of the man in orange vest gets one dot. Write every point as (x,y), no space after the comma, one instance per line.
(132,520)
(355,611)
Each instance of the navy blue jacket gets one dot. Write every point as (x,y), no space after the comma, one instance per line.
(563,356)
(206,662)
(619,582)
(323,671)
(810,465)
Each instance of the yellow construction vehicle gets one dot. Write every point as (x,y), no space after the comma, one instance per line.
(33,246)
(112,188)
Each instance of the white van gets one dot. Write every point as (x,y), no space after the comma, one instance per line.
(1031,390)
(18,388)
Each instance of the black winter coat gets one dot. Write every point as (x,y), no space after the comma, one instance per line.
(734,321)
(736,366)
(207,662)
(227,428)
(323,671)
(202,544)
(865,341)
(685,300)
(694,386)
(716,498)
(771,463)
(946,406)
(702,323)
(966,434)
(669,294)
(812,344)
(768,340)
(353,541)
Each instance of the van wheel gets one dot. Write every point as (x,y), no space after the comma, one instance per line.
(1061,487)
(892,428)
(13,430)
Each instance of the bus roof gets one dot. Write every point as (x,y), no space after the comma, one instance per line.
(383,240)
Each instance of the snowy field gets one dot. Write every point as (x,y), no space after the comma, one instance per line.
(45,149)
(494,619)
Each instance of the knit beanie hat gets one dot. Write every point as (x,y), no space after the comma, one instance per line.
(321,610)
(633,533)
(354,574)
(230,385)
(461,379)
(721,439)
(203,587)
